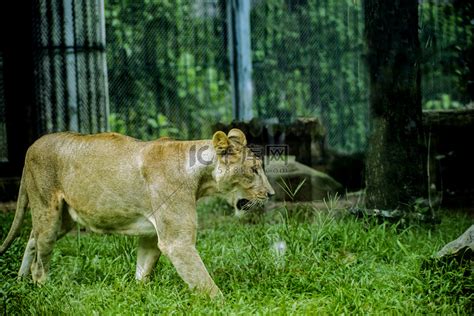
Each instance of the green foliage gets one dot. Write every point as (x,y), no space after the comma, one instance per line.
(169,59)
(442,104)
(166,69)
(279,265)
(446,31)
(309,60)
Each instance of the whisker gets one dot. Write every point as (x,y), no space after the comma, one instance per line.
(256,202)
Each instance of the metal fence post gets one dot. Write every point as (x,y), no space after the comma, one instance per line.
(103,62)
(70,69)
(70,82)
(238,19)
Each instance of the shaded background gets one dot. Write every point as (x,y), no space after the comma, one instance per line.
(150,68)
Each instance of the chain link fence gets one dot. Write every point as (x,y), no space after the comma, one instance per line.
(446,38)
(169,69)
(308,61)
(71,80)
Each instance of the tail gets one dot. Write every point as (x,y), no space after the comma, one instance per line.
(21,205)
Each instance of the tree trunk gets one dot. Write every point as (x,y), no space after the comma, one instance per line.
(395,168)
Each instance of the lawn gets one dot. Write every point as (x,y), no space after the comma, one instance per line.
(302,261)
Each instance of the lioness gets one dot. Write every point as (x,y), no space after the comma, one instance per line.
(112,183)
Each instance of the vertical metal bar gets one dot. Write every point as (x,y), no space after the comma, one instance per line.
(60,69)
(98,73)
(76,67)
(81,53)
(52,126)
(87,65)
(70,69)
(106,111)
(91,53)
(41,59)
(238,15)
(61,51)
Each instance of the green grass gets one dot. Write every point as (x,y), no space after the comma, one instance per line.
(330,266)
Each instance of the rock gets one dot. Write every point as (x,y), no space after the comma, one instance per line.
(459,246)
(294,181)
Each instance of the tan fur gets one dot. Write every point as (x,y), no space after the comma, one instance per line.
(116,184)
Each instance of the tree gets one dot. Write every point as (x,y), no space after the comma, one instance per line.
(395,172)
